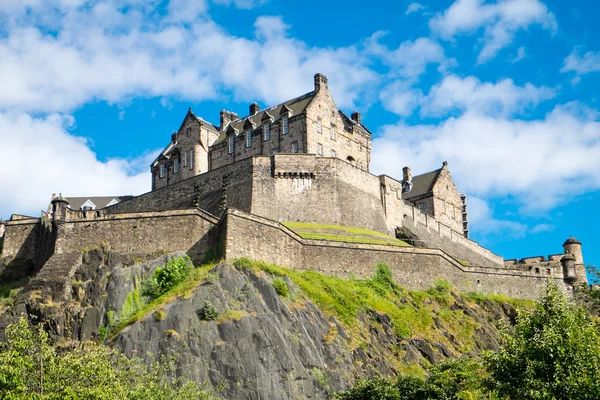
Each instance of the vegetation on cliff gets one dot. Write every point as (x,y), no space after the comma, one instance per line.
(553,352)
(33,368)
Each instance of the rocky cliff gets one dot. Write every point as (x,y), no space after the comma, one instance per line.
(306,341)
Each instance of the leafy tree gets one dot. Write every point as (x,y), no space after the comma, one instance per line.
(31,367)
(553,353)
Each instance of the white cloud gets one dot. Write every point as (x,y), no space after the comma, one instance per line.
(500,21)
(399,98)
(539,228)
(521,54)
(411,58)
(414,7)
(501,98)
(538,163)
(50,160)
(589,62)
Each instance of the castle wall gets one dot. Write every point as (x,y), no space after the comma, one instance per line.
(21,238)
(140,234)
(230,185)
(415,268)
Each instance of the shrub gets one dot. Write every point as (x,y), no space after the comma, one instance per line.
(160,315)
(164,279)
(280,287)
(208,312)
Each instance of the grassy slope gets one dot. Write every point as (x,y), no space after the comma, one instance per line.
(412,312)
(341,233)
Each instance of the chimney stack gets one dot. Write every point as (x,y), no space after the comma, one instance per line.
(406,174)
(226,118)
(320,81)
(174,137)
(254,108)
(355,116)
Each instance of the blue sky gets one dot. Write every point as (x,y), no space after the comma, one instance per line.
(506,91)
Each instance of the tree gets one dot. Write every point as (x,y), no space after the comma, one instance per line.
(31,367)
(552,353)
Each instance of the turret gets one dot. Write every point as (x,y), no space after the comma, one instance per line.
(573,246)
(568,267)
(59,209)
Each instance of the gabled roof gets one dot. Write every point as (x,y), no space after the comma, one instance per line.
(351,121)
(422,184)
(75,203)
(296,106)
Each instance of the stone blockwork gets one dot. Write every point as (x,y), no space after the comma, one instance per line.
(416,268)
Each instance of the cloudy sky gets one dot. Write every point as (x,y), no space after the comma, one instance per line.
(506,91)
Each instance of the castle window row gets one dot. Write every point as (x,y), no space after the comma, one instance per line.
(332,132)
(319,149)
(319,126)
(294,147)
(267,132)
(176,165)
(248,138)
(285,123)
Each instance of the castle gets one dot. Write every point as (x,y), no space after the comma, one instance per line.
(236,187)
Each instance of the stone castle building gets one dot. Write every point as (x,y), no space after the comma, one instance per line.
(233,189)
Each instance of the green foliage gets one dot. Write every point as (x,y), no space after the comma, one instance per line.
(553,352)
(133,303)
(322,379)
(164,279)
(441,291)
(208,312)
(31,368)
(339,233)
(280,287)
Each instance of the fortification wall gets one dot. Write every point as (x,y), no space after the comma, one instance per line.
(230,185)
(416,268)
(303,187)
(140,234)
(21,238)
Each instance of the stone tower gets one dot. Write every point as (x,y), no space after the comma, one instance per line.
(573,246)
(59,209)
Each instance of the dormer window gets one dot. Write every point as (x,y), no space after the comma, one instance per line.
(248,138)
(161,171)
(231,144)
(284,122)
(319,126)
(267,132)
(176,165)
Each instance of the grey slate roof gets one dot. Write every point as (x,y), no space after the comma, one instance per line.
(297,106)
(422,184)
(75,203)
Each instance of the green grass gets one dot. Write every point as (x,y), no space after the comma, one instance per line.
(412,312)
(339,233)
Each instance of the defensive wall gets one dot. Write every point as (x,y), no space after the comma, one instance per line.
(240,234)
(307,188)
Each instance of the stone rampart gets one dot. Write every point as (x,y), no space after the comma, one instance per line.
(140,234)
(21,238)
(416,268)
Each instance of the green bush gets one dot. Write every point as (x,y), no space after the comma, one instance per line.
(280,287)
(208,312)
(160,315)
(163,279)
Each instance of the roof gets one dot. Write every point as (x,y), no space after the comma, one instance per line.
(571,240)
(422,184)
(75,203)
(296,106)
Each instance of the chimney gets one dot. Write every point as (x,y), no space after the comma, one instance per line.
(254,108)
(174,137)
(406,174)
(320,81)
(355,116)
(226,118)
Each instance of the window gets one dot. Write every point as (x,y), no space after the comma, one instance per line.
(333,154)
(319,149)
(444,206)
(285,124)
(452,210)
(231,144)
(192,159)
(248,138)
(332,132)
(161,172)
(422,207)
(294,147)
(319,126)
(176,165)
(185,159)
(360,164)
(267,131)
(360,147)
